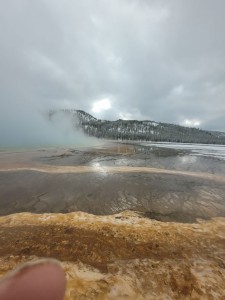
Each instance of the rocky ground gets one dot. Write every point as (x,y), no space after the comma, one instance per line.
(123,256)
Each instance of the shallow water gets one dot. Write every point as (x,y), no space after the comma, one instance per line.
(161,181)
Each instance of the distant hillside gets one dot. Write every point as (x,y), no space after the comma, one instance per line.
(140,130)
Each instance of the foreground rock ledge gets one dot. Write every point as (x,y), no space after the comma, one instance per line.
(121,256)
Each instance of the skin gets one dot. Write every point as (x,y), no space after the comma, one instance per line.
(44,279)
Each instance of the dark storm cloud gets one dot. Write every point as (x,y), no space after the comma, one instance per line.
(160,60)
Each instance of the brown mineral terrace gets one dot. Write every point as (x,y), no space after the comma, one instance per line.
(122,256)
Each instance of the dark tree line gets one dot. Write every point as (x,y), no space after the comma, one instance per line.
(142,130)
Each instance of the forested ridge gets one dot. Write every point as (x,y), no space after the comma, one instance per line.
(139,130)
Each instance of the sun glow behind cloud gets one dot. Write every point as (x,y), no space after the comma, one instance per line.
(101,105)
(191,123)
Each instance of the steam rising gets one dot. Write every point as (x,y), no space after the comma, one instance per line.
(35,129)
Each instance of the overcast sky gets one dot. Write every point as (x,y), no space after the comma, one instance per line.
(162,60)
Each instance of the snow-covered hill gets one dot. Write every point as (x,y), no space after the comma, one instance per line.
(140,130)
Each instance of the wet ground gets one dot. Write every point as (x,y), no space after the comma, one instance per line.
(128,255)
(163,183)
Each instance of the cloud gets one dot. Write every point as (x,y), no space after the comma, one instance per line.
(101,105)
(160,60)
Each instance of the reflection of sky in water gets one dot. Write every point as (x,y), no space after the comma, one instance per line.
(99,168)
(187,159)
(216,151)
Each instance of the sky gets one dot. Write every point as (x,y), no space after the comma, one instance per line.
(161,60)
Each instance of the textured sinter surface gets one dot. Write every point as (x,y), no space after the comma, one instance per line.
(124,256)
(165,195)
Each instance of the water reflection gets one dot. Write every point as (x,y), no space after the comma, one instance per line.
(187,159)
(213,151)
(100,169)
